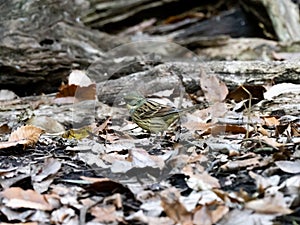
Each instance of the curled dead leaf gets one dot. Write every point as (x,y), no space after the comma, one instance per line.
(270,204)
(246,92)
(19,198)
(26,135)
(174,208)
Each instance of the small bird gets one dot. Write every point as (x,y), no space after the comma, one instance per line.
(151,115)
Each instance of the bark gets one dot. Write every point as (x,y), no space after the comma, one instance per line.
(40,42)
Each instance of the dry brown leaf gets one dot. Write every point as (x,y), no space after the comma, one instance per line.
(174,208)
(105,214)
(247,217)
(263,183)
(202,216)
(219,212)
(289,129)
(281,128)
(140,158)
(102,127)
(94,179)
(263,131)
(85,93)
(238,164)
(80,87)
(194,125)
(79,93)
(50,167)
(106,185)
(270,141)
(66,90)
(19,198)
(214,89)
(270,204)
(202,181)
(271,121)
(221,129)
(240,94)
(26,135)
(295,130)
(4,129)
(63,215)
(159,220)
(115,199)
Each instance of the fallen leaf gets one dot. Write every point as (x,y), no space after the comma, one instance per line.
(46,123)
(292,184)
(7,95)
(174,208)
(262,183)
(106,185)
(270,204)
(80,87)
(246,216)
(221,129)
(42,175)
(64,215)
(214,89)
(3,172)
(202,216)
(106,214)
(238,164)
(289,166)
(115,199)
(269,141)
(271,121)
(140,158)
(4,129)
(16,197)
(219,212)
(26,135)
(282,88)
(242,92)
(79,78)
(50,166)
(202,182)
(94,179)
(86,93)
(66,90)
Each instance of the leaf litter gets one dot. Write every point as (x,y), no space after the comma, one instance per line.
(231,165)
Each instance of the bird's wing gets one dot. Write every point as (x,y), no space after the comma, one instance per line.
(153,109)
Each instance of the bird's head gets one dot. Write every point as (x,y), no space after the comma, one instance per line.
(134,100)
